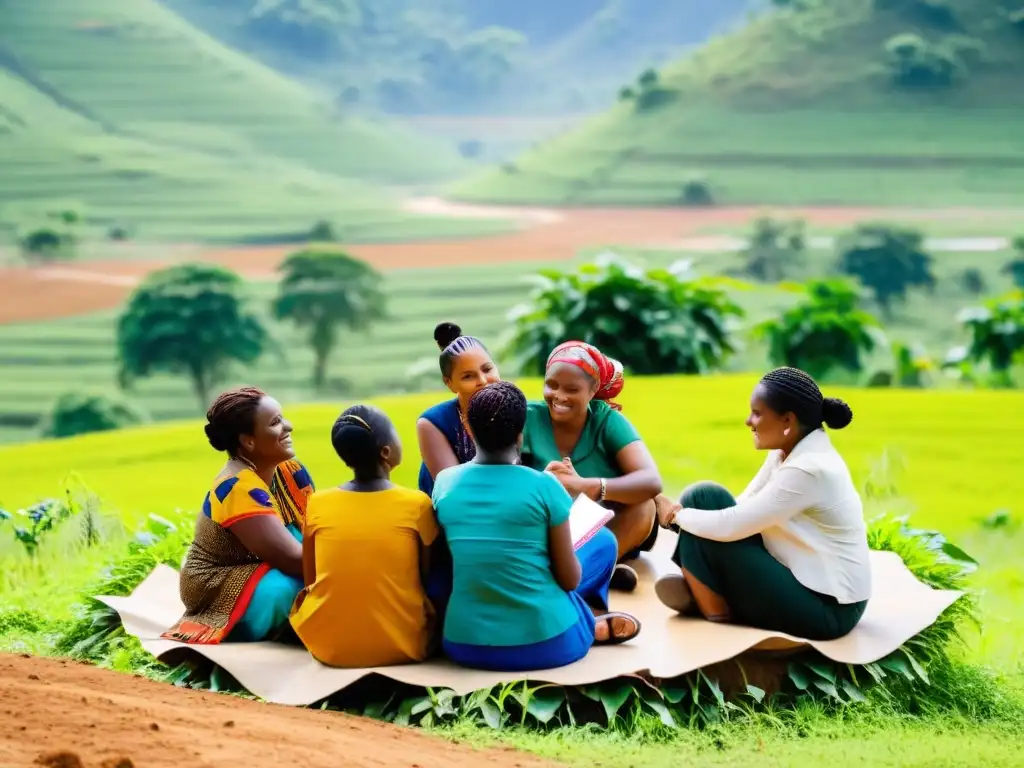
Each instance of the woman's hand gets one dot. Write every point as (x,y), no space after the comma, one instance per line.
(565,473)
(667,510)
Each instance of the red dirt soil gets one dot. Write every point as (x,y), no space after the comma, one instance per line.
(31,294)
(60,714)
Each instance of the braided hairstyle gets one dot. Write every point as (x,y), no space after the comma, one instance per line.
(452,343)
(358,436)
(231,415)
(497,416)
(790,390)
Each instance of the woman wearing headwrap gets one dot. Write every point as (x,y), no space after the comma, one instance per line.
(579,434)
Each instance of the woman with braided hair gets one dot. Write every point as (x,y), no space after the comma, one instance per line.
(365,556)
(244,566)
(790,554)
(466,367)
(522,598)
(578,433)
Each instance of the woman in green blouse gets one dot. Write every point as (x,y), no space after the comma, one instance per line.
(578,433)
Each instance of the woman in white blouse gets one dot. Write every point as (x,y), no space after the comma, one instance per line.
(791,553)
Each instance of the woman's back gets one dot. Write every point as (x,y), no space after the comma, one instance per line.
(496,519)
(367,606)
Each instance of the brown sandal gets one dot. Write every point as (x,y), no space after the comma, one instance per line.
(608,620)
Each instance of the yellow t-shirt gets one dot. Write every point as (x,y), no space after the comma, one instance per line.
(367,607)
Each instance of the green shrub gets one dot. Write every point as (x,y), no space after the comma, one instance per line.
(322,232)
(77,413)
(652,320)
(697,191)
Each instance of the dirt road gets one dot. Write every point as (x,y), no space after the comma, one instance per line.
(66,715)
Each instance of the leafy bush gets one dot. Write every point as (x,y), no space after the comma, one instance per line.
(997,334)
(914,63)
(46,243)
(78,413)
(652,320)
(822,332)
(697,192)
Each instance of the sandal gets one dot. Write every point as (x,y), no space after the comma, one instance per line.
(624,578)
(609,621)
(673,592)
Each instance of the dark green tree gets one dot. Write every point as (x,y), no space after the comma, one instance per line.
(323,291)
(888,261)
(188,320)
(824,331)
(775,249)
(654,321)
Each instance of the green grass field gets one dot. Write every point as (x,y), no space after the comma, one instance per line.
(951,455)
(42,360)
(145,120)
(795,108)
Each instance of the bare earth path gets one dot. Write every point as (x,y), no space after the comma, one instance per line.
(104,718)
(544,235)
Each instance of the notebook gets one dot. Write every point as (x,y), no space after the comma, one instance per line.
(586,518)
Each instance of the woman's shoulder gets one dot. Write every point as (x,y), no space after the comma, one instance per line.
(442,411)
(245,483)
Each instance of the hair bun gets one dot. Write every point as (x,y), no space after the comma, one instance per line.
(835,413)
(445,334)
(215,437)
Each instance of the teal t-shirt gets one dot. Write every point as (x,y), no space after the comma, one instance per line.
(605,433)
(496,520)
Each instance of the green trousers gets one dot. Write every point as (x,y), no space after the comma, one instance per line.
(759,590)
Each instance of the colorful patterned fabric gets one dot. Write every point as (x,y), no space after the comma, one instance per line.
(603,369)
(220,575)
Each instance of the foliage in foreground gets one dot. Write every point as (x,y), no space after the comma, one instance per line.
(920,678)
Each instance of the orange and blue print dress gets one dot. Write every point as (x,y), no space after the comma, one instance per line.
(228,593)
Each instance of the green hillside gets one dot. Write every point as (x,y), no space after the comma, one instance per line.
(912,102)
(129,112)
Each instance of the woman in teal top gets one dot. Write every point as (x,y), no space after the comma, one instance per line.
(579,434)
(522,598)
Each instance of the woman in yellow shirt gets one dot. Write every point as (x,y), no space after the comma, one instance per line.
(364,556)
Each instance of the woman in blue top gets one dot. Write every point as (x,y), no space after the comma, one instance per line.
(522,598)
(466,368)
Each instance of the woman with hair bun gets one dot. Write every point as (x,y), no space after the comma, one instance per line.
(365,555)
(466,367)
(790,554)
(244,566)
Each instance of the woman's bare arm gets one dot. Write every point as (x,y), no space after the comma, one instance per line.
(434,448)
(565,566)
(267,538)
(640,480)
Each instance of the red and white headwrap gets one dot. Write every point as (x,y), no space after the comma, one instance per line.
(603,369)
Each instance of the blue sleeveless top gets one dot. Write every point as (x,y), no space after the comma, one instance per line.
(445,416)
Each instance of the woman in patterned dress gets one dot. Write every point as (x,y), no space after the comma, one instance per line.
(244,567)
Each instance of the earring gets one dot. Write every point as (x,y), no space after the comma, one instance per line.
(786,432)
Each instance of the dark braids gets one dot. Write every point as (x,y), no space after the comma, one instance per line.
(358,435)
(452,343)
(790,390)
(231,415)
(497,416)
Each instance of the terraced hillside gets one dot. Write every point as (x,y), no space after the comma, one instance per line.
(129,111)
(807,105)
